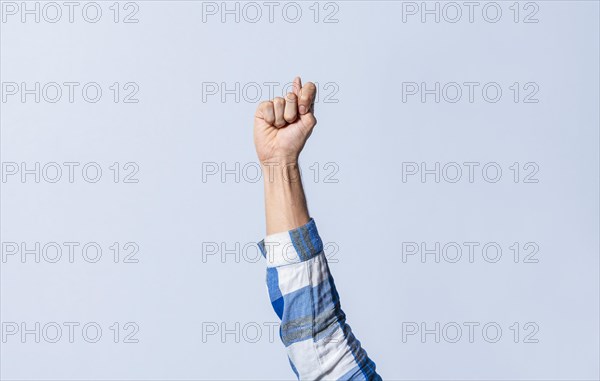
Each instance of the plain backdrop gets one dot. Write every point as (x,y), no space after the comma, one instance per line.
(203,313)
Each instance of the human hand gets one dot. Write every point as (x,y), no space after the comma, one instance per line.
(282,126)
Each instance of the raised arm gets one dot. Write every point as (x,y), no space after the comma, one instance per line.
(319,343)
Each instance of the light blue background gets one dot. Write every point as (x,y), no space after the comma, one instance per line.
(369,133)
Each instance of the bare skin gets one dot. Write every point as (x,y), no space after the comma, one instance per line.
(281,128)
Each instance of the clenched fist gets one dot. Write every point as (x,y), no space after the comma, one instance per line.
(282,126)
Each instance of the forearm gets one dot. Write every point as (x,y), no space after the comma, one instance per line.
(285,202)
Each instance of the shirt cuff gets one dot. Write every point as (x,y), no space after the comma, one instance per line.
(294,246)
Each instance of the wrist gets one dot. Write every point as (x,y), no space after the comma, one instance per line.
(281,169)
(281,160)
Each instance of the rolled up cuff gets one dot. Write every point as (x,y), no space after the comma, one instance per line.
(294,246)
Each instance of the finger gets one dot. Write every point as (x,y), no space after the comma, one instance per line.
(297,85)
(265,111)
(309,121)
(279,107)
(291,108)
(307,97)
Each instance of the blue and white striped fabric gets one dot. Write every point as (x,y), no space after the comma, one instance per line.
(319,343)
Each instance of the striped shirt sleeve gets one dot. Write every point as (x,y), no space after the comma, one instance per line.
(319,343)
